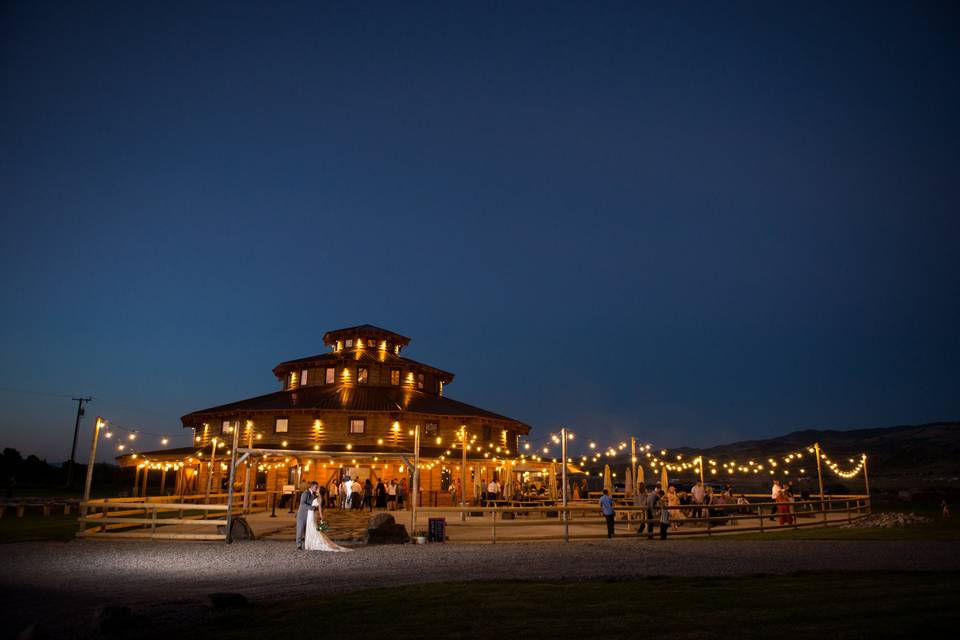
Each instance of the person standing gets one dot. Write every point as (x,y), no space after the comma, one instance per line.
(775,492)
(653,497)
(606,508)
(493,490)
(697,493)
(664,517)
(306,507)
(356,494)
(367,495)
(392,495)
(381,493)
(345,492)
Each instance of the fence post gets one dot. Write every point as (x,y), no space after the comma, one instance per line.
(849,515)
(493,526)
(760,516)
(153,525)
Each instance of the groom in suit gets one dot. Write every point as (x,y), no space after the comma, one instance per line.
(306,505)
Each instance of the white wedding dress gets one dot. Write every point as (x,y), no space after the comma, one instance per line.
(316,540)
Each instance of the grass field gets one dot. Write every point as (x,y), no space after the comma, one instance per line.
(33,526)
(838,605)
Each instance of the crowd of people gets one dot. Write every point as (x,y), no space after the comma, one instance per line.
(351,493)
(698,503)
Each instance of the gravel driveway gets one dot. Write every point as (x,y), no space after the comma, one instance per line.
(62,584)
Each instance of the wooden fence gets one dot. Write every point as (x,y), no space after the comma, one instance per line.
(151,517)
(481,524)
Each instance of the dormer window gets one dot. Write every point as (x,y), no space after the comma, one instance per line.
(362,375)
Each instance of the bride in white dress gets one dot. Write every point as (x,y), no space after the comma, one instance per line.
(317,540)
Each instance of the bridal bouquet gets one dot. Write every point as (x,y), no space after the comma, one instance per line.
(322,526)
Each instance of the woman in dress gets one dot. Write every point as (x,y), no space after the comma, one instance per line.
(783,508)
(381,492)
(316,540)
(392,495)
(367,495)
(673,500)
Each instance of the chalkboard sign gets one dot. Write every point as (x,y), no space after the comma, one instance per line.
(437,529)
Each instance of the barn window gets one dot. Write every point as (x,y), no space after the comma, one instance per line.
(358,425)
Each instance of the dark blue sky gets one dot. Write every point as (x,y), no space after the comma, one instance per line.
(694,223)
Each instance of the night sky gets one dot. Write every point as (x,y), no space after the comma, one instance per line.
(694,224)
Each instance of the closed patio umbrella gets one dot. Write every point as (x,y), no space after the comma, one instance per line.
(664,483)
(628,483)
(552,479)
(640,479)
(607,480)
(478,487)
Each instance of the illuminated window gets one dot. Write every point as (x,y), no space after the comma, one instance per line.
(349,342)
(303,377)
(395,377)
(281,425)
(371,343)
(358,425)
(362,375)
(419,381)
(226,427)
(331,375)
(431,428)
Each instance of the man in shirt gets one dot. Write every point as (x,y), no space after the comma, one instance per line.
(493,490)
(606,508)
(697,493)
(774,494)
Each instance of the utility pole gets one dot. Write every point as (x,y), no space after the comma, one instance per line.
(76,431)
(415,493)
(463,474)
(563,476)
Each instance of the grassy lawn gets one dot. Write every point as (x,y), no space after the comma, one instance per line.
(843,605)
(33,526)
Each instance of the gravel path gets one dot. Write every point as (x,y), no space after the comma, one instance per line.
(66,582)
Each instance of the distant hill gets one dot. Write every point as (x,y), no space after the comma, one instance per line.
(926,448)
(903,456)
